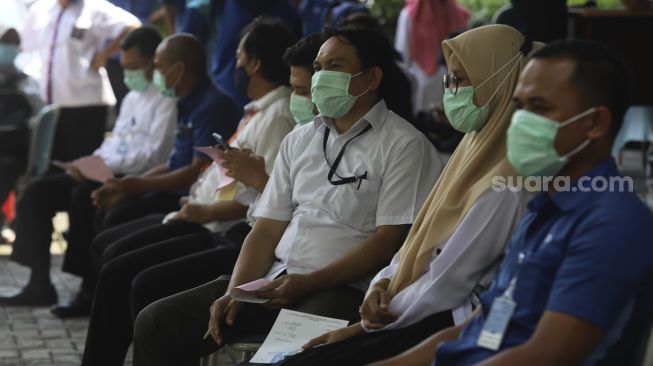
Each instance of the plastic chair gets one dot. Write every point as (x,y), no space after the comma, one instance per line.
(42,127)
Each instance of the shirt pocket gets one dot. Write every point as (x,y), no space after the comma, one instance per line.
(537,274)
(353,205)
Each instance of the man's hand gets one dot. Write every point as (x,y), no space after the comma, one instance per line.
(99,59)
(286,290)
(335,336)
(245,167)
(75,173)
(374,311)
(194,213)
(108,195)
(223,308)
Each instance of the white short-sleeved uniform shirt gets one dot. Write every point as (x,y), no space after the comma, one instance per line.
(144,132)
(83,28)
(326,220)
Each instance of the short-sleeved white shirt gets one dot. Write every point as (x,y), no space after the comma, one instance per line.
(325,220)
(84,29)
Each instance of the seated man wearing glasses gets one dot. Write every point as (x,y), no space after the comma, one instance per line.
(343,191)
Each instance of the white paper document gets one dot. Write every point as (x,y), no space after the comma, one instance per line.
(290,332)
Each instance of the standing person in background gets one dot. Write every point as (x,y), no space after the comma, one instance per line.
(231,17)
(70,37)
(421,28)
(192,17)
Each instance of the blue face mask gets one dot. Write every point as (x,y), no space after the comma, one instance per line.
(8,53)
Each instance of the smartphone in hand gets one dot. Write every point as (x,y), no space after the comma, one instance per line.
(221,142)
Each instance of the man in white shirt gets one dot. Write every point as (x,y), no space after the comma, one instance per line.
(142,138)
(72,40)
(343,191)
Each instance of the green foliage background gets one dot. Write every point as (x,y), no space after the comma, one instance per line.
(482,10)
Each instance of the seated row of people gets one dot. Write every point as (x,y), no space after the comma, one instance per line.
(322,209)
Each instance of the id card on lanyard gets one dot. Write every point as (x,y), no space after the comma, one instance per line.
(503,307)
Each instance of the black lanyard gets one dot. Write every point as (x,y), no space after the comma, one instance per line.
(332,170)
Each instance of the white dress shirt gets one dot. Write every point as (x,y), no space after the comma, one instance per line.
(83,29)
(466,265)
(325,220)
(266,122)
(143,135)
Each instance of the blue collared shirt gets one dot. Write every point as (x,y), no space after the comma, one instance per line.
(584,254)
(206,109)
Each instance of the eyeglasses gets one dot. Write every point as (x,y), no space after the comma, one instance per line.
(450,81)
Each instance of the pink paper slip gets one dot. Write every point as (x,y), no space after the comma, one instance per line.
(212,152)
(93,168)
(247,292)
(60,164)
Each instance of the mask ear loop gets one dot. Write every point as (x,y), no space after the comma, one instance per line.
(524,50)
(502,81)
(353,76)
(584,143)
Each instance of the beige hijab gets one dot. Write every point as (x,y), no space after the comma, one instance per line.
(481,154)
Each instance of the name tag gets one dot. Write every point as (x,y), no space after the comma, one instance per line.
(496,323)
(78,33)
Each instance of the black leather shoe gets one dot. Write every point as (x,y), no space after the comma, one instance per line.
(31,295)
(80,306)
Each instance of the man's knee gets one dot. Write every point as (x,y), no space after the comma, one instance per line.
(146,326)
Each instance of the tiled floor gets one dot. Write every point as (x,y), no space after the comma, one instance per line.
(33,336)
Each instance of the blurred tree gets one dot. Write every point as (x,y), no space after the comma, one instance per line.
(482,10)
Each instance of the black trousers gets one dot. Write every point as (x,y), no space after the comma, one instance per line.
(371,347)
(151,273)
(169,331)
(79,132)
(33,225)
(130,209)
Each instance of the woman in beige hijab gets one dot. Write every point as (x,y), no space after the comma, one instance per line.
(458,238)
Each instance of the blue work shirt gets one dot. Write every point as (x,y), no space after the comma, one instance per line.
(588,255)
(190,18)
(142,9)
(231,18)
(206,109)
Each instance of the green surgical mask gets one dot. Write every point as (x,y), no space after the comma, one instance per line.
(159,81)
(330,92)
(462,113)
(531,143)
(301,108)
(136,80)
(8,53)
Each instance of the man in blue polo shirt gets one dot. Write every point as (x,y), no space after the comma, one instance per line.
(202,109)
(575,282)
